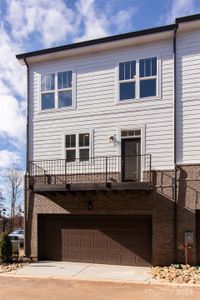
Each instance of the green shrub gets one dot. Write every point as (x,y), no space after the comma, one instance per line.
(5,248)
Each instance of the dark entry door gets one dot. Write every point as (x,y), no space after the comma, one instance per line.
(131,159)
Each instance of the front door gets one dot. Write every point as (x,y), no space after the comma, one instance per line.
(131,159)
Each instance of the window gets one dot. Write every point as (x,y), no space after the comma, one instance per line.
(127,72)
(65,89)
(138,79)
(130,133)
(84,144)
(56,90)
(148,77)
(77,146)
(48,91)
(70,146)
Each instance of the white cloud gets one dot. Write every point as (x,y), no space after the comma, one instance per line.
(12,119)
(10,71)
(8,159)
(94,24)
(12,85)
(99,24)
(52,23)
(179,8)
(124,18)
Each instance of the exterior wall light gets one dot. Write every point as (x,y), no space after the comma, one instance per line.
(90,205)
(112,138)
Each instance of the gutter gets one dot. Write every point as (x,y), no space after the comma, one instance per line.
(189,18)
(27,162)
(175,141)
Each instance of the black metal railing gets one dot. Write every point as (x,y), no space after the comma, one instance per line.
(95,169)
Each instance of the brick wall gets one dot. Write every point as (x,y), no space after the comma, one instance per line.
(159,203)
(188,201)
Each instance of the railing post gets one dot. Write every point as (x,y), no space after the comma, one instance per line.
(150,171)
(65,171)
(30,168)
(106,169)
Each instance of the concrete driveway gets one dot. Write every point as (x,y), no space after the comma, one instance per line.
(83,271)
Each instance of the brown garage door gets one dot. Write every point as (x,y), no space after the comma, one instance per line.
(123,240)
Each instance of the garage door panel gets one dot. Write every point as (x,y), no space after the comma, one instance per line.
(124,240)
(86,233)
(73,244)
(71,232)
(74,256)
(112,246)
(99,257)
(101,245)
(86,244)
(86,257)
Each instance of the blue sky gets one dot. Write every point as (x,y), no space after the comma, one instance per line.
(27,25)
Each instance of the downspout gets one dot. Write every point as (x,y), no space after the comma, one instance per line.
(27,162)
(27,119)
(175,141)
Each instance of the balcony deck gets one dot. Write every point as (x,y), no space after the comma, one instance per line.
(102,173)
(46,188)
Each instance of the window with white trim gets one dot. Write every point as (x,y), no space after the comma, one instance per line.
(77,146)
(138,79)
(84,146)
(70,147)
(48,91)
(127,72)
(148,77)
(131,133)
(56,90)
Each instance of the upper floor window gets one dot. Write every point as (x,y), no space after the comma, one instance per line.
(56,90)
(65,89)
(48,91)
(127,72)
(148,77)
(138,79)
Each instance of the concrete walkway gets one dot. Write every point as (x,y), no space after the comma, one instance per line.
(83,271)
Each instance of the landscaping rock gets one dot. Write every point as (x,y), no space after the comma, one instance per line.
(177,274)
(10,267)
(16,263)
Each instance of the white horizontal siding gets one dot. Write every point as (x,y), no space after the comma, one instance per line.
(188,100)
(96,106)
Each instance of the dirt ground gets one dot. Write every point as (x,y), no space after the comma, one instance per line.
(52,289)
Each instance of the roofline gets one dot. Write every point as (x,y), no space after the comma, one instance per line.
(97,41)
(188,18)
(110,38)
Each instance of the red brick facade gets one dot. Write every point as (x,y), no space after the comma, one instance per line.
(169,220)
